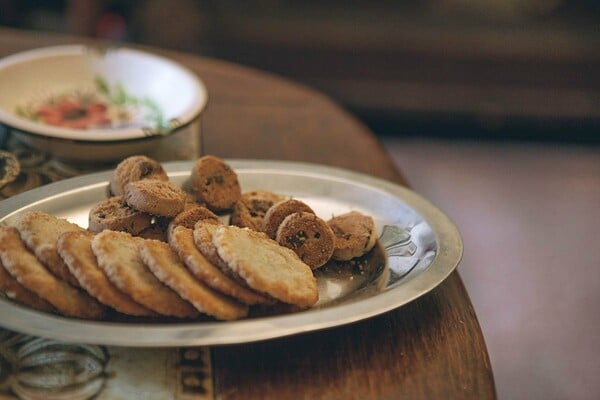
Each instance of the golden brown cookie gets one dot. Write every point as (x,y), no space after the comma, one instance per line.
(13,290)
(191,214)
(266,266)
(133,169)
(40,231)
(250,210)
(29,272)
(75,248)
(168,268)
(181,240)
(355,235)
(118,256)
(215,184)
(277,213)
(159,198)
(114,214)
(203,236)
(308,236)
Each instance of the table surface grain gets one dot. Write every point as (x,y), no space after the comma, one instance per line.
(431,348)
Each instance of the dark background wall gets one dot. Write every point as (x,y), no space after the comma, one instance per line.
(526,69)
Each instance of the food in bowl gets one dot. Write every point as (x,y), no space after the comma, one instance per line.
(89,103)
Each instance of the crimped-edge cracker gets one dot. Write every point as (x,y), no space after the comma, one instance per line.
(168,268)
(277,213)
(75,248)
(355,235)
(17,292)
(203,239)
(135,168)
(29,272)
(114,214)
(249,211)
(267,266)
(181,240)
(40,231)
(161,198)
(215,183)
(118,256)
(308,236)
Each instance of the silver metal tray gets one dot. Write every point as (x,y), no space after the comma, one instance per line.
(418,248)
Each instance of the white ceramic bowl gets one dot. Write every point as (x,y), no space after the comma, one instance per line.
(89,104)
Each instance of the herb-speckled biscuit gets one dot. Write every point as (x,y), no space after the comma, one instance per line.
(266,266)
(308,236)
(355,235)
(215,184)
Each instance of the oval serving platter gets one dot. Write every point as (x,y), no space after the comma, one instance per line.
(418,248)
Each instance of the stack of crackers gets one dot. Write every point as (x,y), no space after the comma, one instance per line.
(152,249)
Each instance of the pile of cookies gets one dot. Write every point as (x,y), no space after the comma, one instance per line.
(152,249)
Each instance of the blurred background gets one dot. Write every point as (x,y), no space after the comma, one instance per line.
(491,108)
(491,68)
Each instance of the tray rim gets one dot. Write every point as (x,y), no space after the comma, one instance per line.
(447,258)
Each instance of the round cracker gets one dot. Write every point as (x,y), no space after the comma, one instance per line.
(75,248)
(17,292)
(30,273)
(181,241)
(203,239)
(167,267)
(40,231)
(267,266)
(118,256)
(355,235)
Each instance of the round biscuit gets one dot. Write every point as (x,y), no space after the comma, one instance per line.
(29,272)
(181,240)
(308,236)
(135,168)
(277,213)
(168,268)
(267,266)
(75,248)
(215,183)
(355,235)
(114,214)
(249,211)
(118,256)
(40,232)
(158,198)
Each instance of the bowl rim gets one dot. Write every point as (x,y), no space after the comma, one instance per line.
(12,120)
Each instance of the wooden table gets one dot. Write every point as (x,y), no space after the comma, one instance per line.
(431,348)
